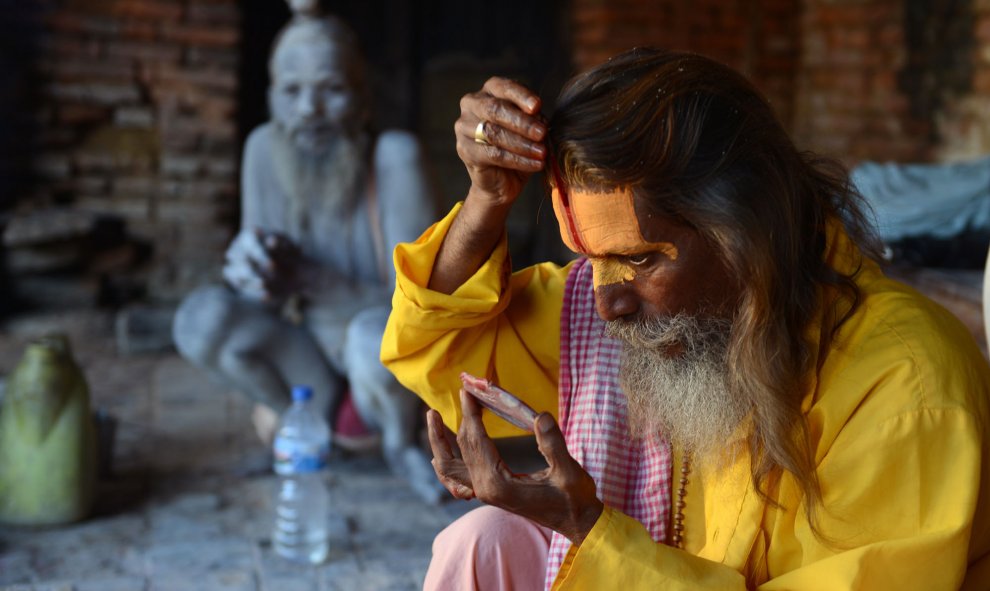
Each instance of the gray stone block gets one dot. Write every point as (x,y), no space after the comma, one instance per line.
(144,329)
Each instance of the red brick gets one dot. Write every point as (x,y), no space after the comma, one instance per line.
(982,30)
(73,22)
(226,147)
(981,81)
(214,79)
(777,63)
(884,82)
(145,185)
(884,11)
(154,52)
(202,35)
(134,117)
(132,210)
(97,93)
(206,190)
(75,113)
(155,10)
(62,45)
(223,13)
(220,168)
(855,38)
(94,161)
(842,15)
(209,57)
(591,34)
(80,69)
(139,30)
(182,166)
(890,34)
(91,184)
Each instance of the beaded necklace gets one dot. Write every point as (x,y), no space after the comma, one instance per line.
(678,536)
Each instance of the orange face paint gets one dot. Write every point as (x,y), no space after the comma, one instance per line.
(607,271)
(603,226)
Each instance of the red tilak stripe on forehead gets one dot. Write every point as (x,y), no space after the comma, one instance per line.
(565,204)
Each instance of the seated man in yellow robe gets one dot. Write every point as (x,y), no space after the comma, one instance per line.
(731,393)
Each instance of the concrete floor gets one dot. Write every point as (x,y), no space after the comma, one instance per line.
(189,503)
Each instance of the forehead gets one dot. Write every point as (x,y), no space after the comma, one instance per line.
(301,59)
(603,223)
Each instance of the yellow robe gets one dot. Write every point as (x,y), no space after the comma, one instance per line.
(898,416)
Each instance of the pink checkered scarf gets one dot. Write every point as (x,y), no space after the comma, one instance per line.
(632,475)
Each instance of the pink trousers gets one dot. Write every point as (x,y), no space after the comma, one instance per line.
(489,549)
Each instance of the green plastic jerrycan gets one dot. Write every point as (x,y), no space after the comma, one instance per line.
(47,439)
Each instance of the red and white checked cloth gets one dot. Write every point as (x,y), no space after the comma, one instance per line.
(632,475)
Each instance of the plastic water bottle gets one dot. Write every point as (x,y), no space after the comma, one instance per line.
(302,507)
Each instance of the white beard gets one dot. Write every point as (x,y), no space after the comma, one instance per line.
(322,184)
(674,374)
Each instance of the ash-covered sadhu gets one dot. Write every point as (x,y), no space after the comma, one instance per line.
(744,399)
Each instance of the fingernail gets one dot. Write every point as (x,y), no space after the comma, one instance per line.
(531,103)
(544,423)
(539,131)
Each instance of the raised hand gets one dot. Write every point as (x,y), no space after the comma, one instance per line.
(561,497)
(504,116)
(500,139)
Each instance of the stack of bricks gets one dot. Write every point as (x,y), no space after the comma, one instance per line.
(136,118)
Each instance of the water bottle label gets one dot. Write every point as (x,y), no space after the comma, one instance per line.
(293,457)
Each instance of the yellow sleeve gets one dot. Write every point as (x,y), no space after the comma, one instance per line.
(505,328)
(620,554)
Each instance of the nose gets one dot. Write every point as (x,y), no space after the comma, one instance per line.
(307,105)
(615,301)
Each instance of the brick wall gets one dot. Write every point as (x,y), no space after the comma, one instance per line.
(901,80)
(855,83)
(757,37)
(134,110)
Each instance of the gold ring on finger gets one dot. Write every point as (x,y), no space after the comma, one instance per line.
(479,134)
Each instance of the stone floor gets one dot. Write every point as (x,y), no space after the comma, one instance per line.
(189,502)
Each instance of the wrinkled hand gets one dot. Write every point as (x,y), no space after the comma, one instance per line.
(515,133)
(266,266)
(561,497)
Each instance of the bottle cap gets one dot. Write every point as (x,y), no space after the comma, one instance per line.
(301,393)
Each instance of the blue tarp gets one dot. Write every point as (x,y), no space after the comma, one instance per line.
(940,200)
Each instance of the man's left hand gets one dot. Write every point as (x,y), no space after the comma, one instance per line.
(561,497)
